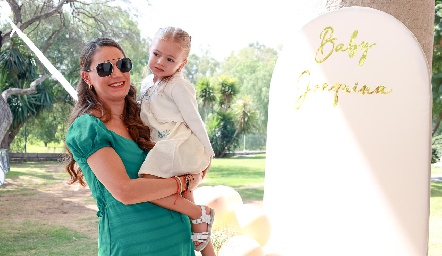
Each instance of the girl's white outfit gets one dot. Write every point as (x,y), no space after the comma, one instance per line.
(171,112)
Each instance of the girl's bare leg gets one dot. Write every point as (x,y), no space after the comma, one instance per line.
(186,207)
(209,250)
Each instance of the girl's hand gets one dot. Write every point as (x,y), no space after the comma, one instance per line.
(207,169)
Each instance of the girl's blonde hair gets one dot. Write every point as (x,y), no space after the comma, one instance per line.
(176,35)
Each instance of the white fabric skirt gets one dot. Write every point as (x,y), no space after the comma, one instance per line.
(177,150)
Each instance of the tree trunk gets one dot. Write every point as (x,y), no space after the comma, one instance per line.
(5,122)
(228,145)
(12,134)
(5,111)
(437,124)
(417,16)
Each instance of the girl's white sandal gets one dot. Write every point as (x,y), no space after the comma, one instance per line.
(203,237)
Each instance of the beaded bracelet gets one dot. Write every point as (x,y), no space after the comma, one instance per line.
(188,177)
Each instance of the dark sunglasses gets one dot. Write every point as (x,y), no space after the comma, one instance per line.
(105,69)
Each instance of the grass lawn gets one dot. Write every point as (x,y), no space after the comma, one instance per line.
(435,239)
(245,174)
(41,215)
(37,216)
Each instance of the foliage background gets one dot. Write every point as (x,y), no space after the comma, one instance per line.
(242,78)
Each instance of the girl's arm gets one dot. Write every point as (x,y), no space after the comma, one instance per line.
(184,97)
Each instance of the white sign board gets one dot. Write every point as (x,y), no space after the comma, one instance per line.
(349,139)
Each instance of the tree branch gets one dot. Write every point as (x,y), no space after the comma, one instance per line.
(31,90)
(438,44)
(16,13)
(44,15)
(16,10)
(50,41)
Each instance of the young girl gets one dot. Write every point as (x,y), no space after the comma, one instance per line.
(169,108)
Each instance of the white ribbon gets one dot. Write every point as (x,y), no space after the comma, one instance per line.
(67,86)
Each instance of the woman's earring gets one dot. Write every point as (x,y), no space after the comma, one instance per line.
(90,87)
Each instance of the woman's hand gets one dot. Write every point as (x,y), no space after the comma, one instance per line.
(207,169)
(191,181)
(195,181)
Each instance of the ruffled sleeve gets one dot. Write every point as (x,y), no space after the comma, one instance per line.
(85,136)
(146,83)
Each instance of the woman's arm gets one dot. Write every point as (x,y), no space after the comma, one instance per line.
(109,169)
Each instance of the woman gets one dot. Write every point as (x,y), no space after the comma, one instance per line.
(108,142)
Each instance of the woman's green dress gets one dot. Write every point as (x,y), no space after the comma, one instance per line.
(138,229)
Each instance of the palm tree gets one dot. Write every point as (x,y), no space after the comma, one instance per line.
(245,116)
(17,70)
(228,90)
(206,94)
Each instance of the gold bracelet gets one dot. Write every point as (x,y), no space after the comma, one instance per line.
(180,184)
(179,188)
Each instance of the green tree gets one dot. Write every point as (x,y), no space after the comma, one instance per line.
(200,66)
(47,128)
(60,29)
(206,95)
(17,70)
(436,79)
(229,118)
(221,127)
(253,68)
(228,89)
(245,119)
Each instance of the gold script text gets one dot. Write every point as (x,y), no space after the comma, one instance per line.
(328,42)
(336,87)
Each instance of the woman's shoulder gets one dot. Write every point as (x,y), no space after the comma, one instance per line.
(86,135)
(87,119)
(87,124)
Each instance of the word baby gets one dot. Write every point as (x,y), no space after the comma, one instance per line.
(328,46)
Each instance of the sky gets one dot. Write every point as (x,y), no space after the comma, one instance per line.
(222,27)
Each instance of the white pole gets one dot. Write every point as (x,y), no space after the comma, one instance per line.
(67,86)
